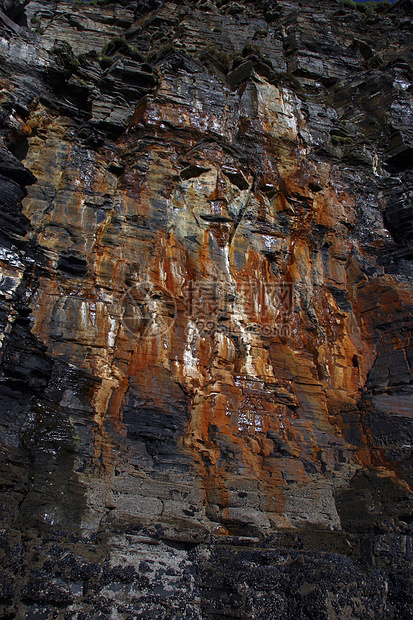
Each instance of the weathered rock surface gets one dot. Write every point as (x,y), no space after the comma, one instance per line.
(206,305)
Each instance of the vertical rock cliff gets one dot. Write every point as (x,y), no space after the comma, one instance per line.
(206,310)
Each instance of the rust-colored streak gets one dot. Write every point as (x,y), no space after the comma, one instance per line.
(265,387)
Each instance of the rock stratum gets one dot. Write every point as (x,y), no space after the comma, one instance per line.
(206,305)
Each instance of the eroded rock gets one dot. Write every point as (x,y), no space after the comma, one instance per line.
(206,302)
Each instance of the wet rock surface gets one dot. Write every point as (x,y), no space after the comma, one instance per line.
(206,403)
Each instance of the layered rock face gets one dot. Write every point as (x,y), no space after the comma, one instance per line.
(206,302)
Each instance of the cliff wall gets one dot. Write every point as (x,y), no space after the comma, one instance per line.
(206,305)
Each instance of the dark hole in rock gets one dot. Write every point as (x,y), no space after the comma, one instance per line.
(400,162)
(191,172)
(20,148)
(72,265)
(216,218)
(237,179)
(315,187)
(116,169)
(271,256)
(23,311)
(408,518)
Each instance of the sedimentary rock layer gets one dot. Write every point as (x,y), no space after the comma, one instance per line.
(206,309)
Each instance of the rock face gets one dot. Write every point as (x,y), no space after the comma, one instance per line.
(206,305)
